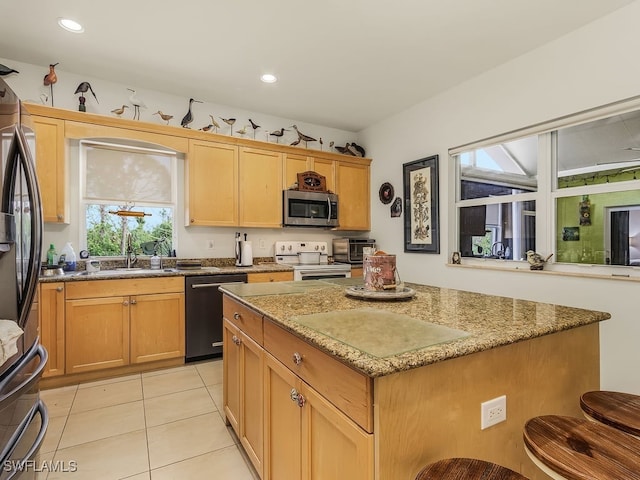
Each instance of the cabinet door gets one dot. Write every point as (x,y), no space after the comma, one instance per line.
(333,447)
(294,164)
(157,327)
(231,374)
(97,333)
(52,326)
(251,391)
(51,168)
(282,423)
(352,188)
(212,184)
(261,194)
(326,168)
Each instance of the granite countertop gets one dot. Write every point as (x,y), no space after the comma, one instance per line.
(209,268)
(384,337)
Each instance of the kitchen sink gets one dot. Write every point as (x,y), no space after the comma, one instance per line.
(123,271)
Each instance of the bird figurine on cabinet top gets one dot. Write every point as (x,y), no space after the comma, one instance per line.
(215,124)
(255,126)
(51,78)
(302,136)
(164,116)
(360,151)
(4,70)
(119,111)
(243,130)
(188,118)
(83,88)
(344,150)
(230,122)
(536,262)
(137,104)
(278,133)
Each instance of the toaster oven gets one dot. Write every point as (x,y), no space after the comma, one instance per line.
(350,249)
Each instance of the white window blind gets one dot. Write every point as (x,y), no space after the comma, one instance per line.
(123,174)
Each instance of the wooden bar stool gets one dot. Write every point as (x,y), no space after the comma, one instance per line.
(567,448)
(620,410)
(466,469)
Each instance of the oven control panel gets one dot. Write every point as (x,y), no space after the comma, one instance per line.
(287,252)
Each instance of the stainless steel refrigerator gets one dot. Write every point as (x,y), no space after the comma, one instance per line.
(23,416)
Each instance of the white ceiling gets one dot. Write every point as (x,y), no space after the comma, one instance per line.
(345,64)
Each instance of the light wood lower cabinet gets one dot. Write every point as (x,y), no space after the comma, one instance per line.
(118,329)
(288,429)
(242,399)
(306,437)
(51,317)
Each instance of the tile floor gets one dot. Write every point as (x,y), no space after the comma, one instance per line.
(160,425)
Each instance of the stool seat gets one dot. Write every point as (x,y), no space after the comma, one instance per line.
(620,410)
(467,469)
(579,449)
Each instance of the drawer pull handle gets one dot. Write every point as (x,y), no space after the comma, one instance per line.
(297,397)
(236,340)
(297,358)
(236,316)
(125,303)
(134,302)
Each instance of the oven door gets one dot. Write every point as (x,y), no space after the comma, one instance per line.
(320,273)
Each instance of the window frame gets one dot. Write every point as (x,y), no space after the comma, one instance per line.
(124,145)
(548,192)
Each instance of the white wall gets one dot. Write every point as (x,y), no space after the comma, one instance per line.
(191,241)
(587,68)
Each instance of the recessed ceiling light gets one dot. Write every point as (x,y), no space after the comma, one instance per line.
(70,25)
(268,78)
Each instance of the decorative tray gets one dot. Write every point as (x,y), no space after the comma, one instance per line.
(360,292)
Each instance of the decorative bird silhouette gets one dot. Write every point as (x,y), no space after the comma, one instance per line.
(85,87)
(302,136)
(215,124)
(230,122)
(321,143)
(295,142)
(255,127)
(358,149)
(278,133)
(536,262)
(331,144)
(137,104)
(344,150)
(207,127)
(243,130)
(4,70)
(188,118)
(164,116)
(119,111)
(51,78)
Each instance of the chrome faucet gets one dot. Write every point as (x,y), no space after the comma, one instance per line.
(131,257)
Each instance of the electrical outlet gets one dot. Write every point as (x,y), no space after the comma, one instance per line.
(493,411)
(262,244)
(211,245)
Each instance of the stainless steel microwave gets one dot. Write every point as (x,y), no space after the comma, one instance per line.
(309,209)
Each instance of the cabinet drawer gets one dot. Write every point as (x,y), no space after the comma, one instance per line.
(270,277)
(244,318)
(116,288)
(346,388)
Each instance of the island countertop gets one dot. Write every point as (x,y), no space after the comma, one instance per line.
(384,337)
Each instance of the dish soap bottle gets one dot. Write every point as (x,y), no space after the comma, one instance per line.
(51,255)
(156,264)
(69,257)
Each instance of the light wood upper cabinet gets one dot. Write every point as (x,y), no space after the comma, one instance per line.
(212,184)
(352,187)
(294,164)
(51,168)
(260,197)
(52,326)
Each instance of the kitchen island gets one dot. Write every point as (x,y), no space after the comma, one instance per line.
(392,386)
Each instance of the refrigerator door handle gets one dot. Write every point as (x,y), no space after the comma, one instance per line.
(36,351)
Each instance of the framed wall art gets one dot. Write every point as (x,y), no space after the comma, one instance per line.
(421,219)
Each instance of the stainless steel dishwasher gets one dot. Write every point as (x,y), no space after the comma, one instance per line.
(203,315)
